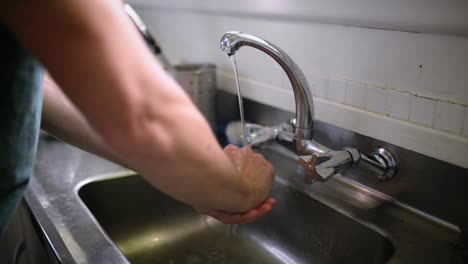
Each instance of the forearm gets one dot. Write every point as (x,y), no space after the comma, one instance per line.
(63,120)
(146,119)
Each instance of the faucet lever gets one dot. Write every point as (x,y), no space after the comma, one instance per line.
(321,166)
(308,163)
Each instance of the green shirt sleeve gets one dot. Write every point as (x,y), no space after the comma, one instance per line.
(20,109)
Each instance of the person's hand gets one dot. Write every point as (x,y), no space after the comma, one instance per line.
(244,218)
(255,171)
(258,174)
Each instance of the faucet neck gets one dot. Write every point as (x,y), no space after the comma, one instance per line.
(233,40)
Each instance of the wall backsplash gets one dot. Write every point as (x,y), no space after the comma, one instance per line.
(409,89)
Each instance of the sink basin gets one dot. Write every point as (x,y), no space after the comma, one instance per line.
(150,227)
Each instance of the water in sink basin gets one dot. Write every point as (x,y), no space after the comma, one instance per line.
(150,227)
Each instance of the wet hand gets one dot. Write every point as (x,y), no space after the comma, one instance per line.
(243,218)
(254,171)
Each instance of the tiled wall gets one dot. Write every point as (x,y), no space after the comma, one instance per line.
(405,88)
(429,112)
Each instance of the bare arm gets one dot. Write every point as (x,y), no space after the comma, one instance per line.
(62,119)
(146,119)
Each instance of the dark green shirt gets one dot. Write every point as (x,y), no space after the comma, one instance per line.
(20,114)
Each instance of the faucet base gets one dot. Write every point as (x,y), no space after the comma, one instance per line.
(382,162)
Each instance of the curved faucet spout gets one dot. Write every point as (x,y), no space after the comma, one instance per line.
(233,40)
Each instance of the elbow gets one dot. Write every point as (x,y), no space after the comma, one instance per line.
(120,138)
(135,137)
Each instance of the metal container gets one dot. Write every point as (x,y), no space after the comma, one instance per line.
(199,80)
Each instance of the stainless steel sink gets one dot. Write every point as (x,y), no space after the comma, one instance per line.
(150,227)
(340,221)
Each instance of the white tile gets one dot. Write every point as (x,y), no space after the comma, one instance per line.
(322,85)
(465,127)
(312,81)
(449,117)
(262,73)
(270,75)
(286,84)
(398,105)
(376,100)
(422,111)
(337,91)
(355,94)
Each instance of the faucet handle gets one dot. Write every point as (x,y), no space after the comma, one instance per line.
(260,135)
(309,165)
(321,166)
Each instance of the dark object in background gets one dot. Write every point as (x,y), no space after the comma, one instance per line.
(146,34)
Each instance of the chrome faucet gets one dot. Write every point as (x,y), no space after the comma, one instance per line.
(319,165)
(233,40)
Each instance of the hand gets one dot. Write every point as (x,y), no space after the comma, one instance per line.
(255,171)
(244,218)
(258,174)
